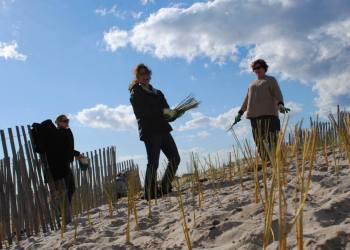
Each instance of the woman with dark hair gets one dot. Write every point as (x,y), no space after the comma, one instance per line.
(262,103)
(150,105)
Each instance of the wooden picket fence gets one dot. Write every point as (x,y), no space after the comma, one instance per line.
(26,207)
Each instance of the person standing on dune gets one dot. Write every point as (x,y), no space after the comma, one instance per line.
(262,103)
(151,108)
(60,153)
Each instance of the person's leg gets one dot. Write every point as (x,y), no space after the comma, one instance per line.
(55,200)
(259,135)
(153,145)
(61,200)
(274,128)
(70,185)
(169,148)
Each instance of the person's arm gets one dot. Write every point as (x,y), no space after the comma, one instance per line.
(243,108)
(244,105)
(276,92)
(70,145)
(169,114)
(141,109)
(165,104)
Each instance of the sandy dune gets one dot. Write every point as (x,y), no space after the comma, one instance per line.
(229,220)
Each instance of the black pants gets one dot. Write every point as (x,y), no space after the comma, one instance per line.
(154,144)
(70,185)
(265,129)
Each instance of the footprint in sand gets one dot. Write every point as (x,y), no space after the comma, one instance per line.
(117,223)
(335,214)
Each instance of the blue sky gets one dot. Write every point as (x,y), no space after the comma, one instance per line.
(76,57)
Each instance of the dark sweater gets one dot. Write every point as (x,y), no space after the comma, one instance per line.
(60,152)
(148,107)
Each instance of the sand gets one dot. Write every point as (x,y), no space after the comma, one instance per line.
(229,220)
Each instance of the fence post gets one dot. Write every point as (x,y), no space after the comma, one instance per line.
(9,188)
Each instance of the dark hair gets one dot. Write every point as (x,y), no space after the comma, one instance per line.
(140,67)
(260,62)
(59,118)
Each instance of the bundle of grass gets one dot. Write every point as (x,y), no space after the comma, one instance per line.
(186,104)
(109,195)
(301,152)
(63,214)
(75,218)
(131,181)
(343,130)
(197,184)
(212,171)
(183,215)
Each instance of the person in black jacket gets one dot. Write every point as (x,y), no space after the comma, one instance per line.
(149,105)
(60,154)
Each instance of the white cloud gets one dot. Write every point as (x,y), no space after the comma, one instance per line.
(9,51)
(120,118)
(115,38)
(199,120)
(199,135)
(295,107)
(135,157)
(203,134)
(136,15)
(222,121)
(114,11)
(144,2)
(313,50)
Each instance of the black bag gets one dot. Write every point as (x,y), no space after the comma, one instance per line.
(40,134)
(36,139)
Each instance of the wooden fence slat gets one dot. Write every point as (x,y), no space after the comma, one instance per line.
(9,188)
(37,195)
(26,186)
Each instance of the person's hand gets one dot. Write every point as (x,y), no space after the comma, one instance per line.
(283,109)
(170,114)
(79,157)
(238,118)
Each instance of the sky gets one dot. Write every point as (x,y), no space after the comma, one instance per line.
(76,58)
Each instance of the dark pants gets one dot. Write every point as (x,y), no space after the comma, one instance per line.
(265,129)
(154,144)
(70,185)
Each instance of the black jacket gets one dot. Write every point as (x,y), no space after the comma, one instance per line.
(60,152)
(148,108)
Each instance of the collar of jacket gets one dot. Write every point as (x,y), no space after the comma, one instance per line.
(150,90)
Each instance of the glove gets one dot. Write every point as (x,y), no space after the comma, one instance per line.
(170,114)
(237,119)
(283,109)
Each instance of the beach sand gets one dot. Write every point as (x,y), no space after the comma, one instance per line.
(229,219)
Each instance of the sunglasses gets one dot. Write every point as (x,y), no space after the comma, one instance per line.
(65,121)
(144,72)
(257,68)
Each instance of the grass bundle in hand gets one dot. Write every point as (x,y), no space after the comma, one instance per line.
(186,104)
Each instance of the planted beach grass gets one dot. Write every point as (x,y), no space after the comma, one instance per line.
(237,200)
